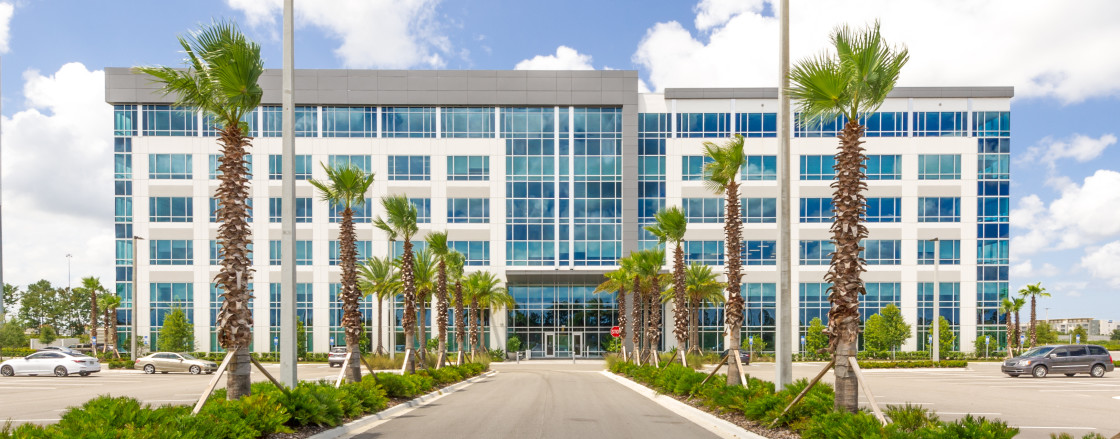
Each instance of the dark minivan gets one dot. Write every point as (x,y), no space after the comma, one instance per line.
(1064,359)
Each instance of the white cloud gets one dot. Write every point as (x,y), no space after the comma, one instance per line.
(1040,49)
(386,34)
(1083,214)
(566,58)
(1101,263)
(6,11)
(57,171)
(1022,269)
(1078,147)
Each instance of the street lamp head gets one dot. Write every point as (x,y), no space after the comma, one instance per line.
(137,237)
(934,239)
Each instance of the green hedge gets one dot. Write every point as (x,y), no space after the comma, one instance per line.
(814,416)
(266,411)
(911,364)
(16,352)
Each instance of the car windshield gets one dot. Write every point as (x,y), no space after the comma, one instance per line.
(187,357)
(1038,352)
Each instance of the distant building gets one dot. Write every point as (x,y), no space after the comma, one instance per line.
(1092,326)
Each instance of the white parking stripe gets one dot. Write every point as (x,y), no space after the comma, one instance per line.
(1059,428)
(970,413)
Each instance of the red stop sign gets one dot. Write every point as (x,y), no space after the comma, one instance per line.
(616,331)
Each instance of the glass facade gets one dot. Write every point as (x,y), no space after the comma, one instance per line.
(562,320)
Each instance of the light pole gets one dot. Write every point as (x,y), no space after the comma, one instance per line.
(68,257)
(936,349)
(783,332)
(132,319)
(288,337)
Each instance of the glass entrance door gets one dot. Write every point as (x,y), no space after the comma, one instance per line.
(549,344)
(563,344)
(577,344)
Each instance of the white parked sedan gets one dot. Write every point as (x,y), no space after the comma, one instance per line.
(51,362)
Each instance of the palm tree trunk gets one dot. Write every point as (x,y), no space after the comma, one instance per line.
(621,300)
(636,314)
(680,302)
(460,319)
(474,327)
(441,313)
(844,272)
(1034,319)
(380,328)
(423,327)
(1010,333)
(235,319)
(654,328)
(694,332)
(409,317)
(109,332)
(733,309)
(348,294)
(93,316)
(481,332)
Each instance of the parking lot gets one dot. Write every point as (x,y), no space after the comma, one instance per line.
(1055,404)
(42,399)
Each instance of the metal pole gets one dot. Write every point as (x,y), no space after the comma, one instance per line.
(3,306)
(287,349)
(783,346)
(68,257)
(135,294)
(936,349)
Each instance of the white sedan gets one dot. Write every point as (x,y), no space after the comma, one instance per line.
(51,362)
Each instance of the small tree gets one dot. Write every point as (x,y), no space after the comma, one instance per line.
(895,327)
(982,347)
(12,336)
(1115,335)
(513,344)
(1080,332)
(945,335)
(47,334)
(1045,334)
(177,334)
(875,334)
(301,338)
(815,338)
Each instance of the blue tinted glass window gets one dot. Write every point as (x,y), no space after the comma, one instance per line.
(468,210)
(122,210)
(307,121)
(214,170)
(414,122)
(991,124)
(169,166)
(423,209)
(703,210)
(167,120)
(363,213)
(939,209)
(884,210)
(939,124)
(882,251)
(122,144)
(759,210)
(818,167)
(303,210)
(410,167)
(275,252)
(349,121)
(817,127)
(171,252)
(890,124)
(692,167)
(760,168)
(950,251)
(993,209)
(467,122)
(468,168)
(939,167)
(816,252)
(170,209)
(816,210)
(528,122)
(758,124)
(703,124)
(477,253)
(166,297)
(210,129)
(993,166)
(122,166)
(363,250)
(992,251)
(703,252)
(276,169)
(884,167)
(653,126)
(362,162)
(124,120)
(759,252)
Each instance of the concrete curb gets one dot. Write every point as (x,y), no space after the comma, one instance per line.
(705,420)
(370,421)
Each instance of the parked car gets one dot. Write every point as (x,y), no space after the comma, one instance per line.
(51,361)
(1065,359)
(744,357)
(164,362)
(337,356)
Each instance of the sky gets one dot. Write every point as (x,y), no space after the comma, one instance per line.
(56,163)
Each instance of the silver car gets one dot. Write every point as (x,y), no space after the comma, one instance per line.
(56,362)
(164,362)
(1064,359)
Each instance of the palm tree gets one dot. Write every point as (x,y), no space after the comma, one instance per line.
(222,69)
(377,276)
(1006,307)
(92,286)
(702,287)
(851,84)
(648,263)
(346,188)
(485,293)
(727,161)
(669,227)
(455,262)
(108,302)
(400,220)
(615,282)
(437,244)
(1018,303)
(1033,291)
(423,270)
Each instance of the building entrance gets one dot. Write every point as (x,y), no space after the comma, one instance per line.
(563,344)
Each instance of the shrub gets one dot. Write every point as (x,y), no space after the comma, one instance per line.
(979,427)
(313,404)
(911,364)
(497,355)
(910,418)
(842,425)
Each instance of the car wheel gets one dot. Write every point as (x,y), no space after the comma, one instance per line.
(1039,371)
(149,369)
(61,371)
(7,371)
(1097,371)
(1070,374)
(1013,375)
(195,370)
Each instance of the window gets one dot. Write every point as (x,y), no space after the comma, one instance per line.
(890,124)
(423,209)
(167,296)
(651,167)
(214,204)
(169,166)
(994,166)
(818,167)
(653,126)
(362,213)
(992,251)
(122,210)
(477,253)
(758,124)
(882,251)
(994,146)
(939,209)
(171,252)
(816,210)
(396,248)
(703,252)
(528,122)
(307,121)
(703,124)
(993,209)
(349,121)
(879,295)
(950,251)
(124,120)
(813,297)
(215,162)
(210,129)
(122,144)
(303,252)
(759,252)
(468,210)
(759,210)
(884,210)
(169,209)
(703,210)
(166,120)
(939,124)
(410,168)
(363,250)
(939,167)
(817,127)
(949,302)
(991,124)
(361,161)
(414,122)
(303,209)
(816,252)
(467,122)
(276,167)
(122,166)
(530,159)
(468,168)
(760,168)
(884,167)
(692,167)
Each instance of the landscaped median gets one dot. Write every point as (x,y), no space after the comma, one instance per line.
(757,405)
(310,407)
